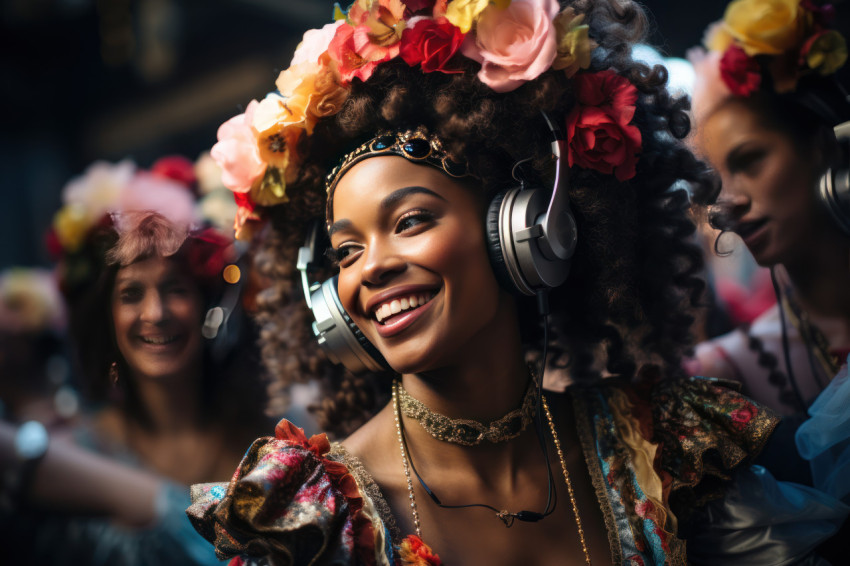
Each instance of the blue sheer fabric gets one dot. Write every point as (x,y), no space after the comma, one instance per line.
(824,439)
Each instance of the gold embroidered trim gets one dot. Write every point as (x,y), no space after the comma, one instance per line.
(367,484)
(586,440)
(468,432)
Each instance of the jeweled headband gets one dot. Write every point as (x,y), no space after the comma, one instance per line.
(417,146)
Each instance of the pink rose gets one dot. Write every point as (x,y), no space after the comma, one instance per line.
(314,43)
(237,153)
(514,45)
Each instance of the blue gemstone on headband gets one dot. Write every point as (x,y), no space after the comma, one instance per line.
(417,148)
(383,142)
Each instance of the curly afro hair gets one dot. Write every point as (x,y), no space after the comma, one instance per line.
(627,303)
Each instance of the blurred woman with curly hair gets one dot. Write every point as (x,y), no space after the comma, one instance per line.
(413,141)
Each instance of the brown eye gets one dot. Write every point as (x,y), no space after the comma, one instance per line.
(412,219)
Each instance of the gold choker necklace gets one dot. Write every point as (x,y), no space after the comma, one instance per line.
(468,432)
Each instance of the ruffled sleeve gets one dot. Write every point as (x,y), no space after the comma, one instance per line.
(705,429)
(289,503)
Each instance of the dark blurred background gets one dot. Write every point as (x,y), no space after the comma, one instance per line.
(82,80)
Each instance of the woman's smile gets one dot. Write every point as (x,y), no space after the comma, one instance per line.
(414,272)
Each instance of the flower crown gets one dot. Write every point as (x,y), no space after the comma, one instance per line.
(766,45)
(108,198)
(513,41)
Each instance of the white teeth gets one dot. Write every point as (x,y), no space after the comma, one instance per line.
(159,340)
(400,305)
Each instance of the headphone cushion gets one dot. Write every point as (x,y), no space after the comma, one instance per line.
(494,244)
(364,342)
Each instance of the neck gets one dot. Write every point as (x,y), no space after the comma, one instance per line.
(484,386)
(821,279)
(172,404)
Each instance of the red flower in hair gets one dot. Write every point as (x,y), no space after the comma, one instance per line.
(740,72)
(431,43)
(178,168)
(351,51)
(601,136)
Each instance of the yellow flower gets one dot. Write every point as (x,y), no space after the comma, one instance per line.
(71,224)
(827,53)
(271,189)
(717,38)
(766,27)
(463,13)
(574,44)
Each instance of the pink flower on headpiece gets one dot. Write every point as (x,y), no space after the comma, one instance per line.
(237,153)
(149,192)
(514,45)
(349,52)
(315,43)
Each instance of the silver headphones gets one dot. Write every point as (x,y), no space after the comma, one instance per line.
(834,188)
(531,237)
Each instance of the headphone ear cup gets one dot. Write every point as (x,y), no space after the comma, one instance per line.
(494,242)
(341,340)
(834,187)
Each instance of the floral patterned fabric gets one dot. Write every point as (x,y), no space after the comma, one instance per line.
(658,451)
(654,453)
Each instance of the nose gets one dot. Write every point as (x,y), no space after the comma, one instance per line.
(381,263)
(153,308)
(733,195)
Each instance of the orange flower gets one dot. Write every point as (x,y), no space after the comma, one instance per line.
(414,552)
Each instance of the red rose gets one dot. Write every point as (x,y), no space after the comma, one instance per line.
(176,167)
(601,136)
(431,43)
(740,72)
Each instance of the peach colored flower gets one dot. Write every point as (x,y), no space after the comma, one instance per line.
(314,43)
(349,49)
(237,153)
(329,94)
(514,45)
(464,13)
(378,26)
(574,44)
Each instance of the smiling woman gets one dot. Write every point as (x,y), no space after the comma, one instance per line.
(497,183)
(167,405)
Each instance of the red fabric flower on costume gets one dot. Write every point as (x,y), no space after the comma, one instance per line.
(431,43)
(414,552)
(601,136)
(740,72)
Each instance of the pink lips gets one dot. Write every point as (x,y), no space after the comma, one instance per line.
(397,323)
(751,231)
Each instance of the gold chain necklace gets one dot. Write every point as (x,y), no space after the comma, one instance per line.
(468,432)
(412,497)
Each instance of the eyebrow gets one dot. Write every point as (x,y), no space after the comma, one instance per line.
(388,202)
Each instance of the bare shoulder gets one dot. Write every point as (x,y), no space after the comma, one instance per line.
(374,444)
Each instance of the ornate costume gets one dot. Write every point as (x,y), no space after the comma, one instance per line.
(655,456)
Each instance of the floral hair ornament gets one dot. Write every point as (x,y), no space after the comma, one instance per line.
(766,44)
(261,151)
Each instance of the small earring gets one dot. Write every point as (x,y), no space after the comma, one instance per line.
(113,374)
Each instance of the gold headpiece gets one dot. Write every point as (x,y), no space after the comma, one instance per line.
(416,145)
